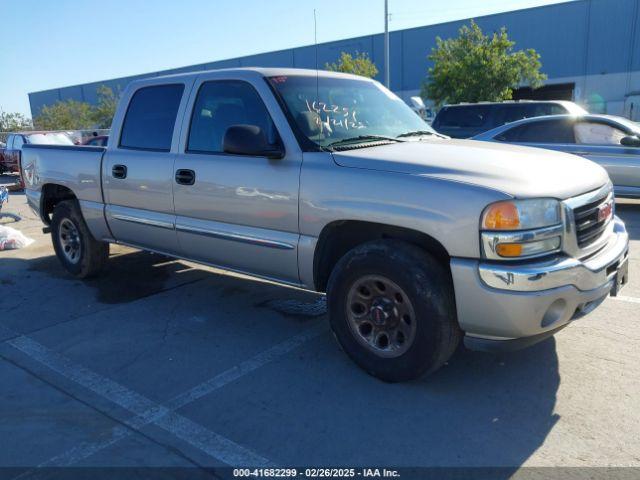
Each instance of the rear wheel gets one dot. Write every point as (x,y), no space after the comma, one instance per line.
(392,309)
(80,254)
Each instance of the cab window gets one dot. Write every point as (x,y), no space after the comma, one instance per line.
(151,118)
(221,104)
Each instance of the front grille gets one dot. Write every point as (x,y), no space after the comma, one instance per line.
(588,227)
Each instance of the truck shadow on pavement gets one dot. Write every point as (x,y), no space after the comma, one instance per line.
(128,277)
(479,410)
(136,274)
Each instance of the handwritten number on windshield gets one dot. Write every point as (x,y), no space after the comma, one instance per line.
(331,117)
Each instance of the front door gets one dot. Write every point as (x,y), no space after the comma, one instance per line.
(236,211)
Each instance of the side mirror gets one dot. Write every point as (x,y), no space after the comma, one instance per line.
(630,141)
(250,140)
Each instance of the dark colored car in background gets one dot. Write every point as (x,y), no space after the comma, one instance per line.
(465,120)
(2,148)
(10,156)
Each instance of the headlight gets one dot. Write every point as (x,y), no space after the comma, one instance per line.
(518,229)
(521,214)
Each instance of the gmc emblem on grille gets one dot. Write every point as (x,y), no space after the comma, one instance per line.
(605,211)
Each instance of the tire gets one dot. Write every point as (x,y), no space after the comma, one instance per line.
(414,346)
(69,230)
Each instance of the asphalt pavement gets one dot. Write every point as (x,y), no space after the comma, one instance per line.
(162,363)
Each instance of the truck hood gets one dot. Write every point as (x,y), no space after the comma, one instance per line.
(521,172)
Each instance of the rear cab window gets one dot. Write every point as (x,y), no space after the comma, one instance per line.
(151,118)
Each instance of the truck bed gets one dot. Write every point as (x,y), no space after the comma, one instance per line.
(75,167)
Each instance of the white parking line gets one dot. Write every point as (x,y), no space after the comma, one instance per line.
(622,298)
(148,412)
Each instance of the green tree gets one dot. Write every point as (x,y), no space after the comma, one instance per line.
(102,114)
(13,122)
(476,67)
(67,115)
(75,115)
(361,65)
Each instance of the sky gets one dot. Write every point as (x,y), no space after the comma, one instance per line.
(47,44)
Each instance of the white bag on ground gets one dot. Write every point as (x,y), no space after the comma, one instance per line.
(11,239)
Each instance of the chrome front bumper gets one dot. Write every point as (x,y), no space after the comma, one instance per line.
(561,271)
(500,303)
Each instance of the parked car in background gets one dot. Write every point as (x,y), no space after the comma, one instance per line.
(613,142)
(10,156)
(468,119)
(2,148)
(97,141)
(424,112)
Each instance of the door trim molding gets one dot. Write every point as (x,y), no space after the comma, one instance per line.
(236,237)
(143,221)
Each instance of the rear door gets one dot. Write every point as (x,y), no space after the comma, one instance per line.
(237,211)
(137,171)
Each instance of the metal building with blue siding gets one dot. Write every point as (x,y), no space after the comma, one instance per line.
(590,50)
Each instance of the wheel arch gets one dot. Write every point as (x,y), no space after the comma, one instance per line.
(338,237)
(51,195)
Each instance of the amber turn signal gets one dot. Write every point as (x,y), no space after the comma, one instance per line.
(501,216)
(509,249)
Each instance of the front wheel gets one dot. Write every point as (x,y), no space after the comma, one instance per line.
(392,309)
(80,254)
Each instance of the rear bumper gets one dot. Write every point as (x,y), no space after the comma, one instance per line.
(508,306)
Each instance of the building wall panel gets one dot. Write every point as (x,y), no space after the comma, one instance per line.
(575,40)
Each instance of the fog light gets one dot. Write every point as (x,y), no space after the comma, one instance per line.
(554,313)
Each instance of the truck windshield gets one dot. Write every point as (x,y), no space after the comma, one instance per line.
(335,110)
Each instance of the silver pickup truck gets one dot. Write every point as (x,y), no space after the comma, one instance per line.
(331,183)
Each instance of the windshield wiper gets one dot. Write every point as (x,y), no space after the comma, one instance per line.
(361,139)
(416,133)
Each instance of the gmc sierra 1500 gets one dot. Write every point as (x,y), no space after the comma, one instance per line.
(330,182)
